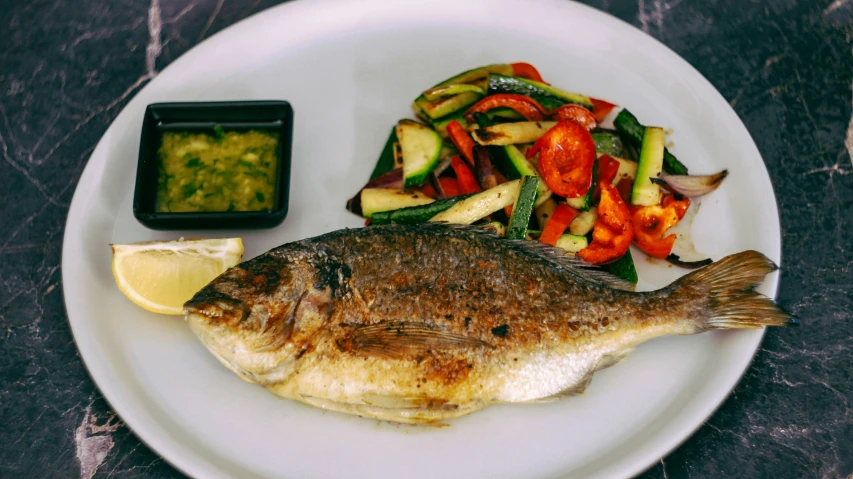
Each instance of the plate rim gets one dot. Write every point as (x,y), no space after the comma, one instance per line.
(187,464)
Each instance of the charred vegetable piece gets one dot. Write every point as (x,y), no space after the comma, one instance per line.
(440,125)
(557,224)
(652,222)
(645,192)
(495,227)
(374,200)
(483,167)
(514,165)
(385,163)
(584,222)
(467,183)
(415,214)
(548,96)
(613,230)
(627,123)
(459,136)
(391,179)
(601,108)
(446,105)
(566,159)
(512,133)
(575,113)
(523,105)
(421,148)
(479,73)
(606,170)
(449,185)
(480,205)
(691,186)
(584,203)
(623,268)
(607,142)
(572,243)
(526,70)
(517,228)
(449,90)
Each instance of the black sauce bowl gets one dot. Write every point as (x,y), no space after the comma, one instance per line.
(270,116)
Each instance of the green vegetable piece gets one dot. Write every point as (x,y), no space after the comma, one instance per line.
(415,214)
(523,208)
(385,163)
(584,202)
(482,120)
(627,124)
(623,268)
(548,96)
(443,91)
(608,143)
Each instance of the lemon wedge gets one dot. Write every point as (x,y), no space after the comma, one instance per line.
(161,276)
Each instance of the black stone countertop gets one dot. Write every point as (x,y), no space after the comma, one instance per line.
(786,66)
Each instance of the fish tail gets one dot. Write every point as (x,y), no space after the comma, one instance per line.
(729,288)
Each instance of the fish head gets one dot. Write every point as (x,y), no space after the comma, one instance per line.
(259,317)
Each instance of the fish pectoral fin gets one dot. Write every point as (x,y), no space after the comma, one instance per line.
(610,359)
(403,340)
(579,387)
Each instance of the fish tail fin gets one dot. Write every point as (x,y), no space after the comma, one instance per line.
(729,286)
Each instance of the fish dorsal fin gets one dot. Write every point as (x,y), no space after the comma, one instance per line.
(403,340)
(573,264)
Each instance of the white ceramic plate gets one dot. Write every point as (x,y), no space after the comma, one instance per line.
(350,70)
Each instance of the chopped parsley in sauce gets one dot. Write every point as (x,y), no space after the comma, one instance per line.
(223,171)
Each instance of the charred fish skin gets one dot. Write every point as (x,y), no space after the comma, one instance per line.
(422,323)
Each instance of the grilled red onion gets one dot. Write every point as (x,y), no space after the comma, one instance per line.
(483,165)
(674,259)
(691,186)
(440,194)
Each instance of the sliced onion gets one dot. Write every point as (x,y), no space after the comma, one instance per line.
(440,194)
(445,163)
(483,165)
(674,259)
(691,186)
(392,179)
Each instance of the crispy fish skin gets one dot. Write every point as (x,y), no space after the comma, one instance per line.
(421,323)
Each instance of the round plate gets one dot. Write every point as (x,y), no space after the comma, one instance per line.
(351,70)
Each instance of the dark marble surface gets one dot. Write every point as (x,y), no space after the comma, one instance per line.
(67,69)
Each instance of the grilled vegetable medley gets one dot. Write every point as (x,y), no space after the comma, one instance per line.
(497,146)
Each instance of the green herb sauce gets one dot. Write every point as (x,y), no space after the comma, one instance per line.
(225,171)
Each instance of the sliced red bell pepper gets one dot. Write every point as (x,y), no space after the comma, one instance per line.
(613,230)
(467,182)
(652,222)
(526,70)
(607,169)
(601,108)
(575,113)
(463,141)
(566,157)
(449,185)
(679,205)
(523,105)
(557,223)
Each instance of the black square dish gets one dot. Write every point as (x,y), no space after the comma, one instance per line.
(213,120)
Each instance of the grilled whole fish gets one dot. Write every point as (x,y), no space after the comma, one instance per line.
(421,323)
